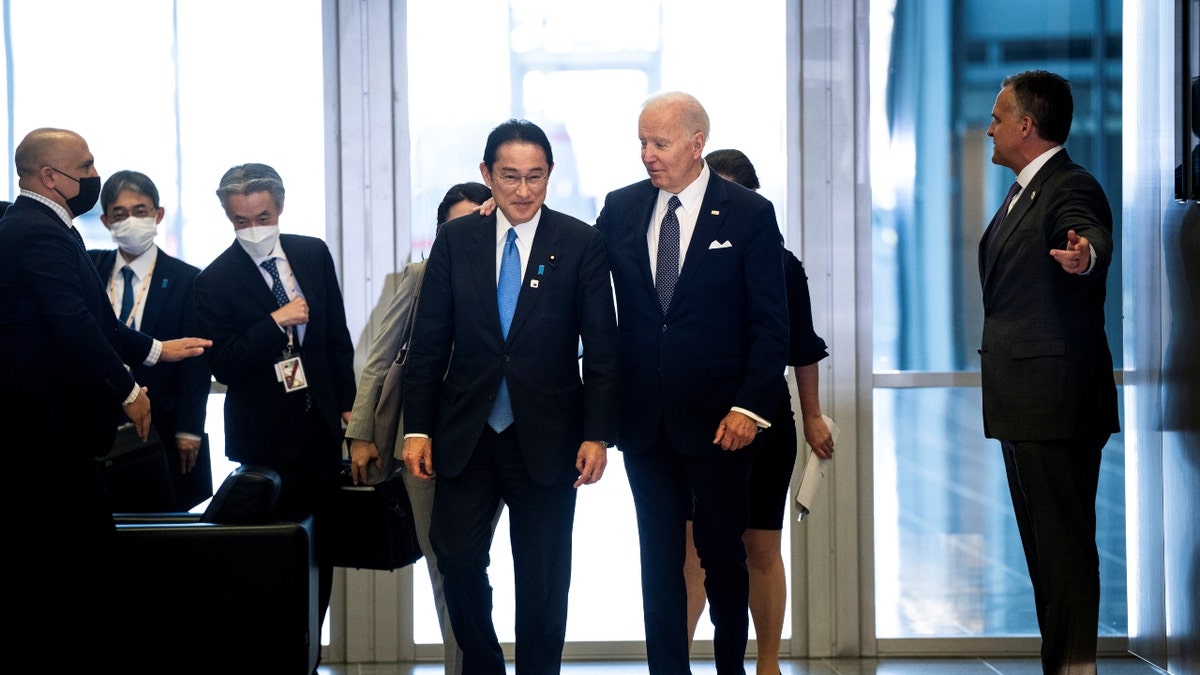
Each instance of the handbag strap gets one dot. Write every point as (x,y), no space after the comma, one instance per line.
(412,315)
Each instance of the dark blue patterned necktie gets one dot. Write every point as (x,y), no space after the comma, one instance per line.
(667,269)
(127,297)
(277,288)
(1001,214)
(507,289)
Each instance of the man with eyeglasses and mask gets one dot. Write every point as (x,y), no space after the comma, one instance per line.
(62,362)
(152,292)
(497,405)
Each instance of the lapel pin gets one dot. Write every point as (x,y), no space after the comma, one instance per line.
(715,213)
(541,269)
(533,283)
(164,283)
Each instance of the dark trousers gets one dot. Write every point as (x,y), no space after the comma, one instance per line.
(61,538)
(668,487)
(1053,486)
(541,518)
(306,484)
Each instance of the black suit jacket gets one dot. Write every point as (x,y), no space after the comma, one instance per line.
(1045,361)
(263,423)
(723,341)
(62,350)
(458,354)
(178,391)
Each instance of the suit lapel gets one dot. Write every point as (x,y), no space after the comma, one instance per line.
(1025,202)
(482,258)
(247,276)
(708,224)
(643,214)
(543,261)
(156,296)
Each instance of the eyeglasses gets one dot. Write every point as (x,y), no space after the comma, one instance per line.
(139,211)
(512,180)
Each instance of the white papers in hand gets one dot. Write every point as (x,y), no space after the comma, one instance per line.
(814,472)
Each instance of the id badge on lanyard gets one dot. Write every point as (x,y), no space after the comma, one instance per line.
(289,370)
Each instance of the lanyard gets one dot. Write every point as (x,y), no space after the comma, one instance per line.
(141,296)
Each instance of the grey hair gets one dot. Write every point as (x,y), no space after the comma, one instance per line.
(248,179)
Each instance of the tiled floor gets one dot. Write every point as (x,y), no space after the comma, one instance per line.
(971,666)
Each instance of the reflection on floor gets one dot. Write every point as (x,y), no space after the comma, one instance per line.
(998,666)
(949,560)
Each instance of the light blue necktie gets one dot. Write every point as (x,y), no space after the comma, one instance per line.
(507,290)
(127,297)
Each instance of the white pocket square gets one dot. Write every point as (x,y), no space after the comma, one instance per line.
(719,244)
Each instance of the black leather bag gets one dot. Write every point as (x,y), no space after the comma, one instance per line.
(369,526)
(136,473)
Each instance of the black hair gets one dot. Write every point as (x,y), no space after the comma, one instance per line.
(734,164)
(1046,98)
(476,193)
(133,181)
(516,131)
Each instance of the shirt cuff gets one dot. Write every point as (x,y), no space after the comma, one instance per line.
(155,352)
(762,423)
(137,389)
(416,436)
(1091,263)
(183,436)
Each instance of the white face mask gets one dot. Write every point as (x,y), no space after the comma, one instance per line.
(135,235)
(258,241)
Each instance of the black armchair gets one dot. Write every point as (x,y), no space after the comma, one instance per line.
(231,590)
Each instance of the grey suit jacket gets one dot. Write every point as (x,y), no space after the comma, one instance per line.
(377,405)
(1045,361)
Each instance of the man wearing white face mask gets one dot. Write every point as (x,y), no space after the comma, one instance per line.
(152,292)
(273,308)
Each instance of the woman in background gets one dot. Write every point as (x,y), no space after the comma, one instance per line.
(460,200)
(774,455)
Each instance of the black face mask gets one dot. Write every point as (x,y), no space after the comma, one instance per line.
(89,193)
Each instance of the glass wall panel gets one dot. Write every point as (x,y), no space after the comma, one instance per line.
(948,556)
(180,91)
(948,559)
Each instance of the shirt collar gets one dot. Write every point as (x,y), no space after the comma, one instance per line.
(276,252)
(525,231)
(691,196)
(1036,165)
(58,208)
(140,265)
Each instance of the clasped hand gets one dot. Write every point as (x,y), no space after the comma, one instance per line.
(294,313)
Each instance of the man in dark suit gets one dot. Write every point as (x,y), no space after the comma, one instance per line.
(62,359)
(497,405)
(157,300)
(273,308)
(697,265)
(1048,390)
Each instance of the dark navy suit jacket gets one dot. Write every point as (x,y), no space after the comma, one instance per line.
(62,350)
(178,391)
(723,341)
